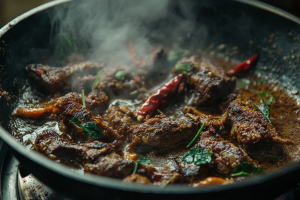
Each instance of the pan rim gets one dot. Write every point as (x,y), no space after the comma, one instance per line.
(111,183)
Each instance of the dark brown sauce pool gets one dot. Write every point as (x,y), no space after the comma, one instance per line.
(284,114)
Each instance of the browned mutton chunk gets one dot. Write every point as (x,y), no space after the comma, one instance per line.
(53,79)
(225,154)
(259,138)
(70,106)
(111,165)
(211,82)
(97,100)
(119,118)
(161,134)
(250,126)
(55,147)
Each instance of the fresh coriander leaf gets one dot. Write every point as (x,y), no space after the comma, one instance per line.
(184,67)
(141,160)
(90,128)
(197,155)
(264,114)
(202,127)
(120,75)
(246,169)
(93,130)
(176,54)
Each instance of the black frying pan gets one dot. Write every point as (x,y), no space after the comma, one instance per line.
(27,39)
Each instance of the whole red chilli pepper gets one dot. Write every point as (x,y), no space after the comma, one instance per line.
(159,98)
(243,67)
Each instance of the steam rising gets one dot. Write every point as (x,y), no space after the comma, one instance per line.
(108,25)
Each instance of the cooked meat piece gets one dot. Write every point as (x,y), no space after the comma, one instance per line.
(111,165)
(209,120)
(119,118)
(226,155)
(212,181)
(52,79)
(97,100)
(136,178)
(120,88)
(161,134)
(251,126)
(55,147)
(265,151)
(192,173)
(210,81)
(35,113)
(70,106)
(161,177)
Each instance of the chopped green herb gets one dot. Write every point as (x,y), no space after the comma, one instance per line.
(71,40)
(140,102)
(260,81)
(184,67)
(171,179)
(83,100)
(71,71)
(120,75)
(141,160)
(202,127)
(267,97)
(241,83)
(197,156)
(264,114)
(89,127)
(98,79)
(176,54)
(246,169)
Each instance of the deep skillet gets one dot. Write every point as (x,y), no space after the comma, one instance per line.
(26,40)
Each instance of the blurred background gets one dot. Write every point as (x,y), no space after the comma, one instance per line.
(10,9)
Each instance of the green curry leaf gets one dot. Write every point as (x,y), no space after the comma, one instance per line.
(141,160)
(197,156)
(246,169)
(90,128)
(184,67)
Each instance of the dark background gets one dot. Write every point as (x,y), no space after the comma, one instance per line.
(9,9)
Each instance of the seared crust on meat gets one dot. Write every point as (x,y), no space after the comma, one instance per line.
(251,126)
(226,155)
(210,81)
(97,99)
(70,106)
(111,165)
(53,79)
(161,134)
(55,147)
(119,118)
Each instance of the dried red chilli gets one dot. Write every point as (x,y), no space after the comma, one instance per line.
(159,98)
(244,66)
